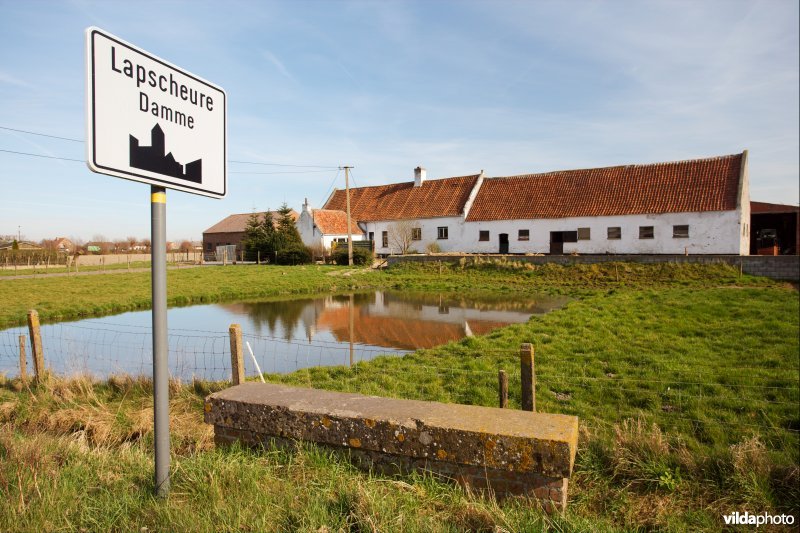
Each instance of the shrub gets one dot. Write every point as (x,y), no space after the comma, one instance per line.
(433,248)
(294,255)
(361,256)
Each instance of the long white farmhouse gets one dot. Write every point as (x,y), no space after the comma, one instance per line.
(699,206)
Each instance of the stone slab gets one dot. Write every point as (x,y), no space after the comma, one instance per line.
(504,439)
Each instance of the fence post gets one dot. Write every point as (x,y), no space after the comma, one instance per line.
(36,344)
(502,383)
(23,360)
(528,377)
(237,355)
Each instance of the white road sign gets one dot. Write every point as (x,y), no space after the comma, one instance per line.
(150,121)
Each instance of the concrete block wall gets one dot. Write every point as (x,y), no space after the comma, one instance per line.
(504,451)
(784,267)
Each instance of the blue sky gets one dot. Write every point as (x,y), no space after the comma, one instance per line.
(508,87)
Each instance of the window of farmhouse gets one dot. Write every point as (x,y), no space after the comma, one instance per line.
(483,236)
(646,232)
(680,232)
(614,232)
(416,234)
(385,239)
(524,235)
(584,234)
(441,232)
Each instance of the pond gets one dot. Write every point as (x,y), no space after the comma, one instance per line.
(284,335)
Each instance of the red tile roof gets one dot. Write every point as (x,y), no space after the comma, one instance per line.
(238,223)
(334,222)
(681,186)
(399,201)
(764,207)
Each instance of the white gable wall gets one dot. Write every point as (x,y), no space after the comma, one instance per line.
(312,236)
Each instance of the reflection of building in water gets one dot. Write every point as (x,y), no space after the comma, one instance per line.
(388,320)
(391,321)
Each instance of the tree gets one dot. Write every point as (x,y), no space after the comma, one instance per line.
(401,235)
(287,229)
(254,236)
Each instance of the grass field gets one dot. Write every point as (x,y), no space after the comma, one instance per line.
(685,379)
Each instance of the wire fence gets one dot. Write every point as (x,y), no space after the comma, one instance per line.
(703,398)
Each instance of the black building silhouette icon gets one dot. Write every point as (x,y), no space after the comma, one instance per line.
(154,159)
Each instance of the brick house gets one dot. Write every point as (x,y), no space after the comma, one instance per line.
(230,231)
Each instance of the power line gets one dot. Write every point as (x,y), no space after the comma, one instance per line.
(331,167)
(330,187)
(277,172)
(42,134)
(44,156)
(280,164)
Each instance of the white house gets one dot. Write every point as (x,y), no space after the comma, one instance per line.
(319,228)
(698,206)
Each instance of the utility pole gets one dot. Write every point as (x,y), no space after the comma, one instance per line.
(349,231)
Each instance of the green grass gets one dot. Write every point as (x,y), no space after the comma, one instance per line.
(61,269)
(685,380)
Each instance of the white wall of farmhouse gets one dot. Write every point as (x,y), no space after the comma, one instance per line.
(430,233)
(711,232)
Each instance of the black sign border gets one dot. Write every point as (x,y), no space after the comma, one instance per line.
(167,184)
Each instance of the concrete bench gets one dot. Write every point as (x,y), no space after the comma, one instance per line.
(507,451)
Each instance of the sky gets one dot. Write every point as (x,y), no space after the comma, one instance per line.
(508,87)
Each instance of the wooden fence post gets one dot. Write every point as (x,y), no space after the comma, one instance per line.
(528,377)
(237,355)
(502,383)
(36,344)
(23,360)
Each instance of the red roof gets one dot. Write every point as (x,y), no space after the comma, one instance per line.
(238,223)
(400,201)
(681,186)
(764,207)
(333,222)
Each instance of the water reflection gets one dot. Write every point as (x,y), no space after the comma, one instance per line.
(285,335)
(404,321)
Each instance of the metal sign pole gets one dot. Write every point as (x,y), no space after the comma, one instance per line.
(158,251)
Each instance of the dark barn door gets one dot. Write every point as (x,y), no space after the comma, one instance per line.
(504,243)
(558,238)
(556,243)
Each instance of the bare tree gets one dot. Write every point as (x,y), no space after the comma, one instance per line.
(401,235)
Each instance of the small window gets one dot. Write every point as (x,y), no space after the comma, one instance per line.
(416,234)
(385,239)
(584,234)
(570,236)
(646,232)
(680,232)
(372,235)
(483,236)
(614,232)
(441,232)
(524,235)
(208,246)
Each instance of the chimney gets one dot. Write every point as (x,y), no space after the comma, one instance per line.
(305,205)
(419,176)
